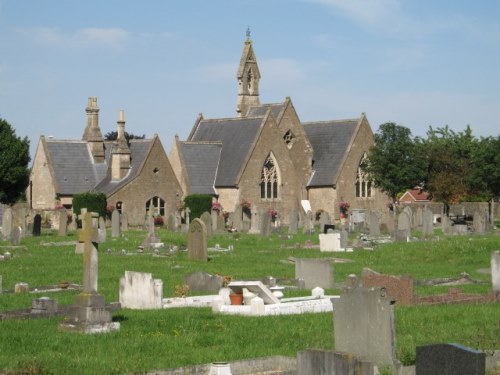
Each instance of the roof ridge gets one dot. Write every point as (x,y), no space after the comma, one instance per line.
(329,121)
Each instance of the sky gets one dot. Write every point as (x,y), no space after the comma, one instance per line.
(163,62)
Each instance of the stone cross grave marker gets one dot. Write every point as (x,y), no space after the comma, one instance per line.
(86,236)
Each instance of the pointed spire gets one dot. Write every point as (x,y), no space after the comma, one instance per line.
(248,76)
(92,133)
(120,157)
(121,140)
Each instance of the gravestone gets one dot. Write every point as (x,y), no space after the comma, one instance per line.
(328,362)
(404,221)
(221,223)
(21,288)
(364,324)
(44,305)
(213,216)
(401,235)
(237,219)
(449,359)
(89,314)
(315,272)
(479,222)
(151,241)
(37,225)
(308,223)
(207,220)
(63,222)
(15,236)
(411,216)
(197,240)
(446,224)
(203,282)
(187,212)
(344,237)
(495,272)
(255,221)
(419,217)
(330,241)
(7,222)
(115,224)
(427,221)
(324,219)
(101,230)
(265,223)
(124,222)
(373,224)
(294,222)
(138,290)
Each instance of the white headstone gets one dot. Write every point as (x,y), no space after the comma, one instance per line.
(138,290)
(495,270)
(330,241)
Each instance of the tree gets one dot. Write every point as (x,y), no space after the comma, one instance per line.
(14,160)
(486,172)
(394,163)
(111,136)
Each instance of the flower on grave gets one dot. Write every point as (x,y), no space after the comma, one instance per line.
(273,213)
(216,206)
(226,279)
(158,220)
(245,204)
(181,290)
(110,208)
(344,206)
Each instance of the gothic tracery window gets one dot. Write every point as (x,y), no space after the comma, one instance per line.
(363,182)
(156,205)
(269,179)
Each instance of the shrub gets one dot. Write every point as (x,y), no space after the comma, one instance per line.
(198,203)
(93,202)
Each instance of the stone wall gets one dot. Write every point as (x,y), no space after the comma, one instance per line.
(43,193)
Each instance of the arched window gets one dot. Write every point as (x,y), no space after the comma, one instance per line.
(363,182)
(119,206)
(270,179)
(156,205)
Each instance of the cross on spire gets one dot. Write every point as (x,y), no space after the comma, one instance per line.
(248,33)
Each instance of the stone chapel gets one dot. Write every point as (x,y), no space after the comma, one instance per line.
(267,156)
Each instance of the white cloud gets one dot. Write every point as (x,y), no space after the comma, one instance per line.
(108,37)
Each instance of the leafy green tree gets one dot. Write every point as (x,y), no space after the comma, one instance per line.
(394,163)
(111,136)
(486,172)
(14,160)
(450,164)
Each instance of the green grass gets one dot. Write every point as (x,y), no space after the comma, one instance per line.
(171,338)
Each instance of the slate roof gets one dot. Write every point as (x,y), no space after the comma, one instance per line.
(237,136)
(201,161)
(75,171)
(73,166)
(261,110)
(139,149)
(329,140)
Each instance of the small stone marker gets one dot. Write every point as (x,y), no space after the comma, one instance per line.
(21,288)
(7,222)
(44,305)
(203,282)
(449,359)
(138,290)
(37,225)
(197,240)
(115,224)
(16,235)
(330,241)
(364,324)
(315,272)
(63,223)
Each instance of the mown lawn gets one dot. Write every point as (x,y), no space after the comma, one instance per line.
(176,337)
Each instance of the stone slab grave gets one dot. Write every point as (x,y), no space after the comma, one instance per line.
(256,287)
(449,359)
(89,314)
(138,290)
(364,324)
(315,272)
(399,288)
(329,362)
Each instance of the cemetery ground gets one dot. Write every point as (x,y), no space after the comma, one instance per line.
(169,338)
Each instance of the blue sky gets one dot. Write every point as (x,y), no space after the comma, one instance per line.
(412,62)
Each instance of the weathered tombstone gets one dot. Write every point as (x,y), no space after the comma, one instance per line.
(213,216)
(124,222)
(308,223)
(101,230)
(151,241)
(315,272)
(373,224)
(401,235)
(63,223)
(221,223)
(89,313)
(44,305)
(427,221)
(7,222)
(479,222)
(324,219)
(197,240)
(237,218)
(21,288)
(460,229)
(419,216)
(203,282)
(344,237)
(364,324)
(294,222)
(411,216)
(37,225)
(404,221)
(330,241)
(15,236)
(187,212)
(115,224)
(265,223)
(449,359)
(207,220)
(255,221)
(138,290)
(495,272)
(446,224)
(326,362)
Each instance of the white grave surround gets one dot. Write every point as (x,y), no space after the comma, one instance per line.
(265,303)
(138,290)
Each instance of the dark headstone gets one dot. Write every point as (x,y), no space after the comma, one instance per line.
(449,359)
(37,225)
(203,282)
(327,227)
